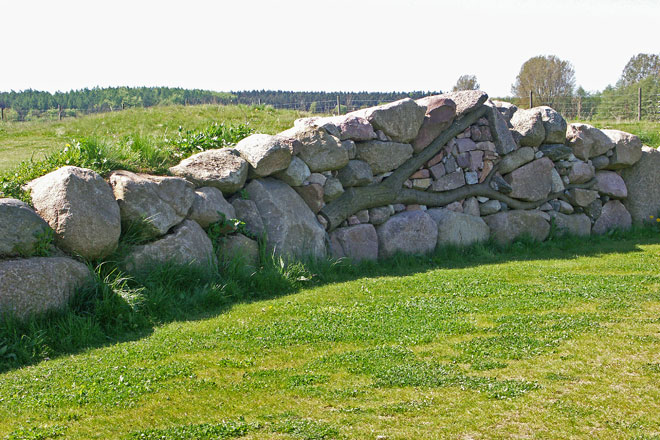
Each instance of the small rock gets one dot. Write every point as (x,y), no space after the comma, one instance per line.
(332,189)
(20,228)
(241,249)
(587,141)
(223,168)
(359,242)
(516,159)
(471,177)
(266,154)
(317,178)
(610,184)
(209,206)
(581,197)
(383,156)
(556,152)
(449,181)
(627,149)
(458,229)
(400,120)
(356,173)
(380,215)
(409,232)
(247,212)
(295,174)
(581,172)
(312,194)
(471,206)
(529,125)
(489,207)
(614,215)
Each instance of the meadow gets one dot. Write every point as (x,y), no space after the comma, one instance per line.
(538,340)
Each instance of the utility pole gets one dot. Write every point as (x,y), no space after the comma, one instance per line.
(531,99)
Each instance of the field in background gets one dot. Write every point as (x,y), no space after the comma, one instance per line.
(21,141)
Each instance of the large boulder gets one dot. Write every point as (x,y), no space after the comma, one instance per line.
(516,159)
(383,156)
(587,141)
(247,212)
(356,173)
(80,207)
(643,184)
(292,229)
(158,202)
(209,206)
(37,285)
(440,113)
(613,215)
(21,229)
(466,100)
(529,125)
(409,232)
(320,150)
(455,228)
(296,173)
(533,181)
(359,242)
(400,120)
(575,224)
(611,184)
(224,169)
(507,226)
(266,154)
(188,244)
(553,124)
(627,149)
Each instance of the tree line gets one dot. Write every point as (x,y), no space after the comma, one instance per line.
(33,103)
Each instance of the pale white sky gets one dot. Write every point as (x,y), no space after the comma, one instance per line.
(373,45)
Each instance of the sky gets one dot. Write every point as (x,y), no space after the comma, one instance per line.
(356,45)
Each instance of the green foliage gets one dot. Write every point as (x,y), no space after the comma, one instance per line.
(44,244)
(466,82)
(639,67)
(214,136)
(548,77)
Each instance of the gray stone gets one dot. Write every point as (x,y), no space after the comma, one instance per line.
(440,113)
(239,248)
(458,229)
(556,152)
(614,215)
(327,124)
(471,177)
(581,172)
(466,100)
(565,207)
(587,141)
(358,242)
(463,160)
(451,165)
(437,171)
(78,204)
(577,224)
(363,216)
(332,189)
(449,181)
(465,144)
(209,206)
(610,184)
(643,184)
(160,202)
(350,147)
(21,229)
(247,212)
(295,174)
(553,124)
(319,150)
(529,125)
(37,285)
(356,173)
(627,149)
(594,209)
(471,206)
(532,181)
(507,226)
(312,194)
(557,183)
(601,162)
(489,207)
(317,178)
(499,128)
(409,232)
(292,230)
(188,244)
(581,197)
(516,159)
(499,184)
(380,215)
(538,154)
(224,169)
(383,156)
(400,120)
(266,154)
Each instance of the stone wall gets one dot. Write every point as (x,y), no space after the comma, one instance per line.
(403,177)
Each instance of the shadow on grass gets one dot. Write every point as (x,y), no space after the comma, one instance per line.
(117,308)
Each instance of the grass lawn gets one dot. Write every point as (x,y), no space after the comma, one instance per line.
(21,141)
(553,340)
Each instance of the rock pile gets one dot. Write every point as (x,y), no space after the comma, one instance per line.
(451,169)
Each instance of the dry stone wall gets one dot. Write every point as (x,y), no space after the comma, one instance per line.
(451,169)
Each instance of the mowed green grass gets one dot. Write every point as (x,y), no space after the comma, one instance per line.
(553,340)
(21,141)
